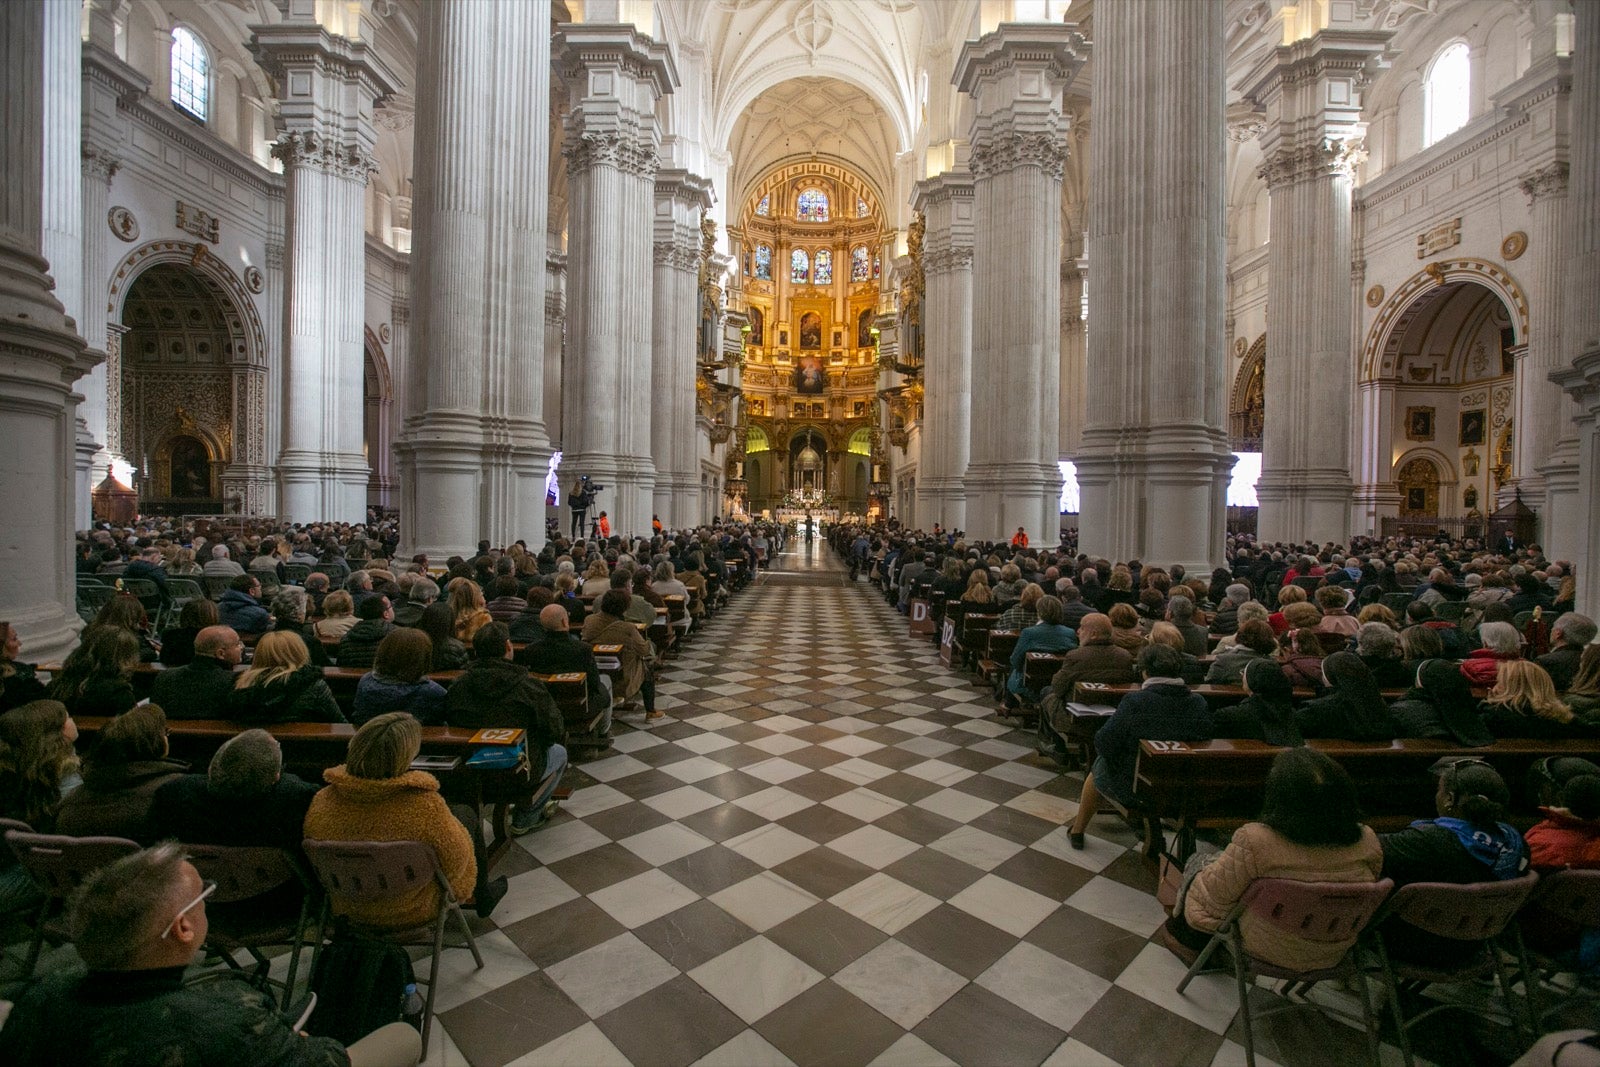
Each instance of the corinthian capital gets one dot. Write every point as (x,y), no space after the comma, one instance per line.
(1328,158)
(1546,181)
(99,163)
(308,148)
(1002,152)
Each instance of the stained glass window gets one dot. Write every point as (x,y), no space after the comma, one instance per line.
(764,262)
(190,73)
(862,211)
(799,265)
(813,206)
(765,207)
(860,264)
(824,272)
(875,264)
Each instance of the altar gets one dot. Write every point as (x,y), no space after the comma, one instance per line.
(819,515)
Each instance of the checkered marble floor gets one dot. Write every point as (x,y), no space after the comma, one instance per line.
(831,852)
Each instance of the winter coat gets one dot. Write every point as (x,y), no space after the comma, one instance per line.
(359,646)
(1516,720)
(1229,666)
(602,629)
(498,692)
(1563,840)
(556,652)
(114,800)
(20,687)
(185,808)
(1258,851)
(299,697)
(407,808)
(1482,667)
(243,612)
(199,691)
(1162,712)
(375,695)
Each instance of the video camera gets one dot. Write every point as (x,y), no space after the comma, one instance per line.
(590,485)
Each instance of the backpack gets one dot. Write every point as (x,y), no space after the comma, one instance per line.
(360,984)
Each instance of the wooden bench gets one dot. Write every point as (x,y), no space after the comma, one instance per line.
(309,748)
(995,663)
(972,636)
(1218,696)
(1191,786)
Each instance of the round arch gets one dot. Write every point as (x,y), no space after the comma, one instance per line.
(752,82)
(1381,350)
(1445,464)
(824,167)
(199,259)
(1246,401)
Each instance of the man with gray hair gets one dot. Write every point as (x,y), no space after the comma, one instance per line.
(1180,612)
(138,923)
(243,799)
(1225,620)
(423,592)
(1567,638)
(219,565)
(1378,646)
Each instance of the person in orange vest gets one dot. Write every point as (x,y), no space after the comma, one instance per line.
(605,525)
(655,523)
(1018,539)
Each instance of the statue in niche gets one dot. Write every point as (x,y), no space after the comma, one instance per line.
(191,469)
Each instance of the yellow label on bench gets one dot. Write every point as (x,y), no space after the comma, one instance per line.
(497,735)
(565,676)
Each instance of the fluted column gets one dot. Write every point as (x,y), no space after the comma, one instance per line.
(681,199)
(1154,464)
(327,86)
(1016,76)
(1580,334)
(1546,471)
(475,451)
(946,203)
(1312,143)
(41,354)
(94,456)
(1074,354)
(615,76)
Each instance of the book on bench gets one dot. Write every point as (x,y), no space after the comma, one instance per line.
(433,763)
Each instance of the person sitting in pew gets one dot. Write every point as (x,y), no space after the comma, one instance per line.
(1353,708)
(177,642)
(1125,631)
(1267,714)
(1468,842)
(1501,644)
(525,627)
(243,800)
(1567,838)
(1162,709)
(494,691)
(555,649)
(201,689)
(1378,645)
(438,622)
(340,618)
(1310,830)
(282,685)
(121,774)
(289,616)
(1583,696)
(1024,611)
(1302,661)
(1440,705)
(1523,703)
(1049,634)
(607,626)
(1095,659)
(1252,641)
(398,682)
(1165,633)
(359,646)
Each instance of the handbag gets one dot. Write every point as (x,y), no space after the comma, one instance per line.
(1169,884)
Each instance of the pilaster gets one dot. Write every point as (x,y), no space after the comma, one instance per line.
(1312,141)
(328,86)
(1016,76)
(1154,463)
(946,203)
(1546,458)
(678,304)
(615,76)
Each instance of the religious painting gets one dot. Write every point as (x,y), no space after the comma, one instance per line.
(1419,424)
(1472,424)
(859,409)
(758,406)
(758,327)
(818,410)
(191,468)
(864,329)
(1417,501)
(783,338)
(799,409)
(1469,463)
(809,377)
(810,331)
(838,337)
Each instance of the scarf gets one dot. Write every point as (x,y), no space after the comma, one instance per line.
(1501,851)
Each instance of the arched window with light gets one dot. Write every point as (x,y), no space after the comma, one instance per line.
(860,264)
(764,263)
(824,267)
(765,206)
(191,74)
(1446,94)
(812,206)
(799,266)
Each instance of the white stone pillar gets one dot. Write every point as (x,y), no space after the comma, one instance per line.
(1311,142)
(681,199)
(1016,76)
(946,203)
(94,458)
(615,76)
(1153,468)
(1546,471)
(327,89)
(41,354)
(1581,326)
(555,326)
(1074,353)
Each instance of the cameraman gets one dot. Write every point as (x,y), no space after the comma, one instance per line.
(579,499)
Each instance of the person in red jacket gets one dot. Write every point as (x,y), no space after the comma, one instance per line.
(1569,836)
(605,525)
(1500,643)
(1020,538)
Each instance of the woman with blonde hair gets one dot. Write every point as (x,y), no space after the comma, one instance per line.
(1379,613)
(339,616)
(282,685)
(1523,703)
(467,611)
(183,565)
(977,591)
(597,578)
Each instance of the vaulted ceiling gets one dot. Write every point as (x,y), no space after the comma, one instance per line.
(812,117)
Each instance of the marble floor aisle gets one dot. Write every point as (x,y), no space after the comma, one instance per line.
(831,852)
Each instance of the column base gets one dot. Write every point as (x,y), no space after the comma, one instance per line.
(1371,503)
(322,487)
(943,502)
(1304,505)
(1163,504)
(1559,518)
(629,491)
(676,500)
(999,497)
(441,481)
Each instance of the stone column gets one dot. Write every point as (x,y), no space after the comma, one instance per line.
(475,452)
(1312,143)
(1074,352)
(94,456)
(1544,413)
(1016,76)
(41,354)
(327,89)
(1154,465)
(681,200)
(946,203)
(615,76)
(1580,334)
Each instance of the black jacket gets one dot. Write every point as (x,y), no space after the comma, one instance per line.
(199,691)
(185,808)
(498,692)
(301,697)
(359,646)
(177,645)
(551,652)
(102,696)
(114,800)
(22,687)
(1562,664)
(1428,853)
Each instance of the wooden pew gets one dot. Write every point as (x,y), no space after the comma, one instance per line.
(995,663)
(570,691)
(1190,786)
(971,636)
(309,748)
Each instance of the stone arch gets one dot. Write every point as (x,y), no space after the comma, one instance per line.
(198,258)
(1429,470)
(1381,349)
(1246,403)
(378,419)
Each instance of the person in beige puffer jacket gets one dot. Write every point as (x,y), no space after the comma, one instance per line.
(1309,831)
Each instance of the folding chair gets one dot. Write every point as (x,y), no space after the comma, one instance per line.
(1571,897)
(249,873)
(60,865)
